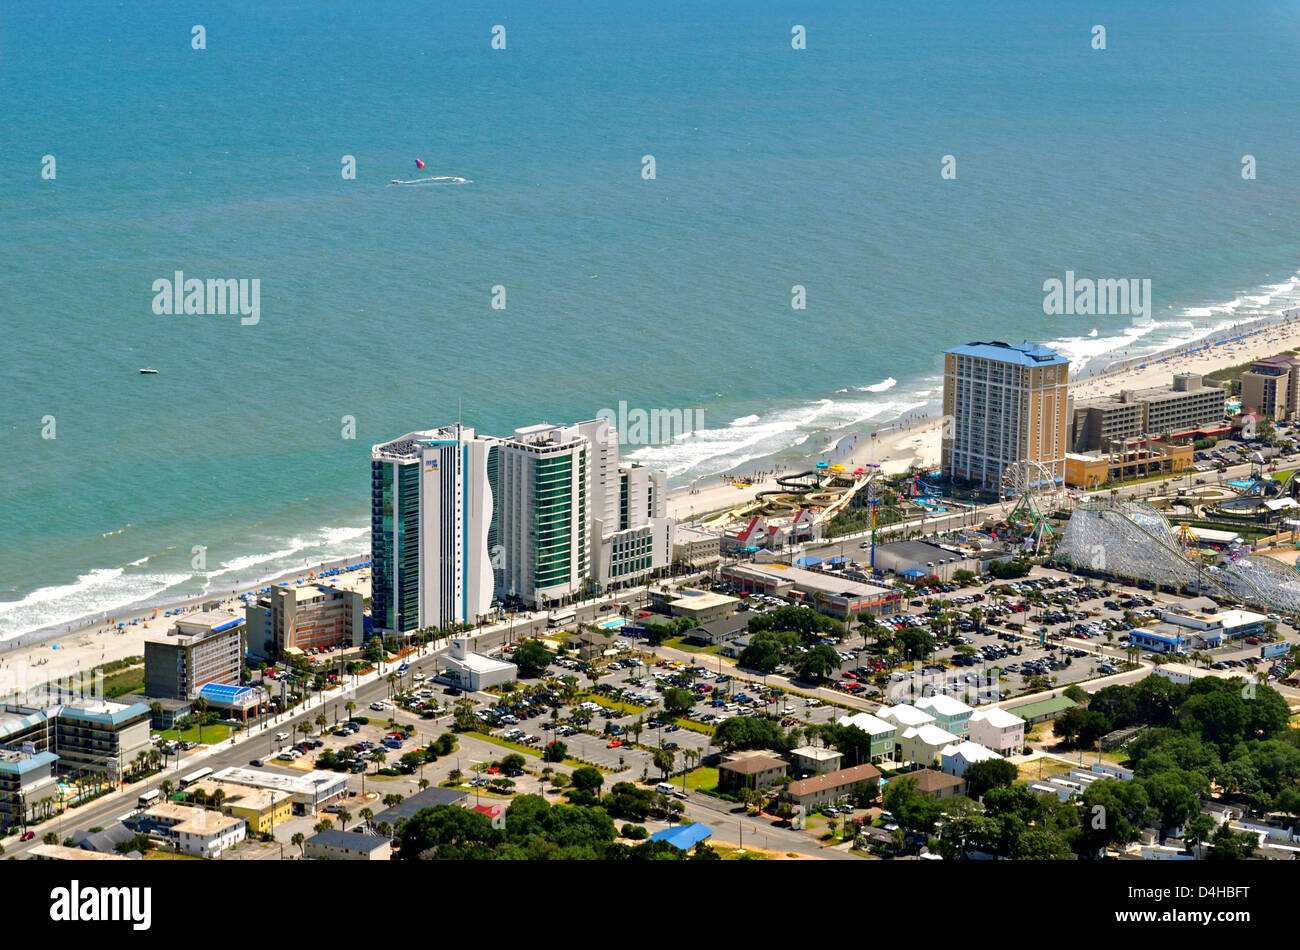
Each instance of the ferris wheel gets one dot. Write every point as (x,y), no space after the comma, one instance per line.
(1036,493)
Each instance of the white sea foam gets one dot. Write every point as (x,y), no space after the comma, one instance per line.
(880,387)
(97,593)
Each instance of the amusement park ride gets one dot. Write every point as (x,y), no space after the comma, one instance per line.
(1037,494)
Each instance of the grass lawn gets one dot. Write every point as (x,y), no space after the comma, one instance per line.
(156,855)
(529,750)
(702,778)
(211,734)
(679,643)
(732,854)
(702,728)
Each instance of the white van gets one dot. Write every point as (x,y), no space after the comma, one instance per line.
(665,788)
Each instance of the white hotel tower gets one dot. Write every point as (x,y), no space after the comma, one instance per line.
(460,522)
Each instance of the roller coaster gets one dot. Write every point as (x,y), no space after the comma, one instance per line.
(1130,539)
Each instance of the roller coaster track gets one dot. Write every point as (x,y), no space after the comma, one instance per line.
(1129,539)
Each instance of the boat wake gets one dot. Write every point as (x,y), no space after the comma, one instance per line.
(433,180)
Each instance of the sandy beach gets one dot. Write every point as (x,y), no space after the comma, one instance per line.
(896,448)
(89,645)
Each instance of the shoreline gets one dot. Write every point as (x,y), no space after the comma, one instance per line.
(895,446)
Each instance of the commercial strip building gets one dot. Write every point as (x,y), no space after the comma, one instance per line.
(695,548)
(838,597)
(426,798)
(1223,625)
(922,559)
(310,791)
(59,852)
(1185,673)
(1187,405)
(1007,404)
(1041,710)
(1128,460)
(335,845)
(461,522)
(473,671)
(699,605)
(829,786)
(262,809)
(203,648)
(304,617)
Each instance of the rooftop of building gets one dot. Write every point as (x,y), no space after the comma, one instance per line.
(922,551)
(15,762)
(242,796)
(840,778)
(868,723)
(970,751)
(751,762)
(906,715)
(1020,354)
(1043,707)
(428,798)
(816,752)
(354,840)
(304,783)
(702,600)
(928,780)
(60,852)
(942,705)
(996,716)
(809,580)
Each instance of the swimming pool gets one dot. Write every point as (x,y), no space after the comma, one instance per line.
(613,624)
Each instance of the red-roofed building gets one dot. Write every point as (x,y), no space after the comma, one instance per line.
(496,814)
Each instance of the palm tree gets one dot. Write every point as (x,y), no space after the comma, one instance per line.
(218,797)
(322,721)
(344,817)
(166,788)
(423,783)
(384,828)
(350,706)
(378,758)
(300,840)
(366,814)
(201,712)
(323,825)
(390,679)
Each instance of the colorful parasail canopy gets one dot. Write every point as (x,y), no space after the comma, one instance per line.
(419,164)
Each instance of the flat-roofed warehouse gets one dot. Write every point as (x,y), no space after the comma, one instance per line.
(829,593)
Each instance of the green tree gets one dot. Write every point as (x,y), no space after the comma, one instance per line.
(300,841)
(678,701)
(1231,846)
(588,779)
(991,773)
(817,664)
(914,642)
(664,760)
(554,751)
(532,658)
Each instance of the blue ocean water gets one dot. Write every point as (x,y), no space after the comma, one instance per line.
(774,167)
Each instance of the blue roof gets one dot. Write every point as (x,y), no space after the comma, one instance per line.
(685,837)
(223,692)
(23,766)
(1021,354)
(1163,638)
(806,561)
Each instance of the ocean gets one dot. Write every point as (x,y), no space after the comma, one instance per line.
(774,167)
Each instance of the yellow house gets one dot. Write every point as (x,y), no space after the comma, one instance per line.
(263,809)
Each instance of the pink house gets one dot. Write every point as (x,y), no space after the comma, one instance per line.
(997,729)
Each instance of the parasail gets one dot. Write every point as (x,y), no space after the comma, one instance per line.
(419,164)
